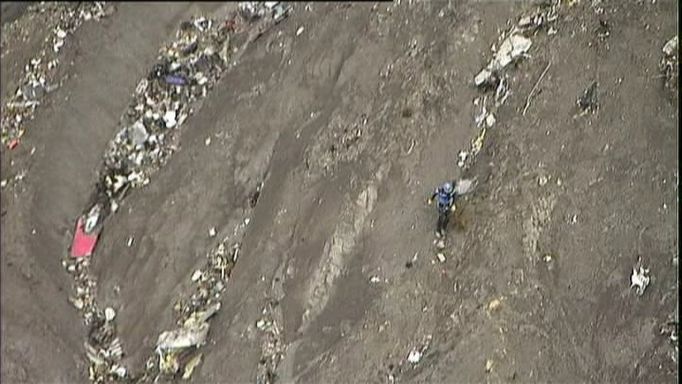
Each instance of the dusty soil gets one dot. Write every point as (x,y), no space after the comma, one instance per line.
(350,125)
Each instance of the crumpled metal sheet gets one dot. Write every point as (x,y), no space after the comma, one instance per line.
(183,337)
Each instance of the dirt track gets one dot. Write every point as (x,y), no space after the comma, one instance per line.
(348,151)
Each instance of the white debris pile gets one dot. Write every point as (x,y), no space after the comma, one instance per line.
(511,49)
(272,348)
(178,348)
(417,353)
(186,69)
(254,10)
(515,44)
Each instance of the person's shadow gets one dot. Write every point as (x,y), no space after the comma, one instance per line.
(460,218)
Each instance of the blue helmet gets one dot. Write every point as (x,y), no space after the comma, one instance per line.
(447,187)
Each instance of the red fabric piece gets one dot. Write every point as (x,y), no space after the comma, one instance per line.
(13,144)
(83,243)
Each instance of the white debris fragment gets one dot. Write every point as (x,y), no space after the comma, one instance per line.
(129,243)
(212,232)
(374,279)
(58,45)
(114,206)
(197,275)
(169,119)
(138,133)
(441,257)
(77,302)
(183,337)
(511,49)
(207,142)
(464,186)
(109,314)
(461,158)
(490,120)
(300,30)
(639,279)
(415,356)
(483,77)
(119,370)
(93,218)
(670,47)
(261,324)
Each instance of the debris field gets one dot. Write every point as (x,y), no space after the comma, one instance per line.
(235,192)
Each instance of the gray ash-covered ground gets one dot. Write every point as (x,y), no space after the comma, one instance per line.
(311,159)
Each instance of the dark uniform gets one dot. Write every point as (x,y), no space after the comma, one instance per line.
(446,196)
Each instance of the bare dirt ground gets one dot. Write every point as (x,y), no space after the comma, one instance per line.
(349,125)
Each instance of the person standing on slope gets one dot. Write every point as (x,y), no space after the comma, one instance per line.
(446,204)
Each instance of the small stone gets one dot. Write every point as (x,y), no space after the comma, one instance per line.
(299,31)
(211,232)
(441,257)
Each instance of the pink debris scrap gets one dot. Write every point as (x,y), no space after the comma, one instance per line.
(83,243)
(13,144)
